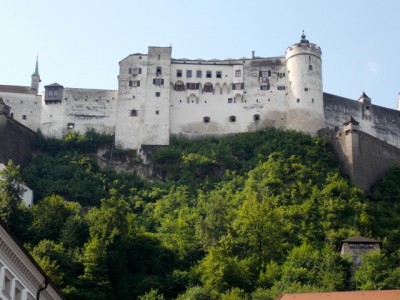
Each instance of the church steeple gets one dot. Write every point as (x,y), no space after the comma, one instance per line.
(35,77)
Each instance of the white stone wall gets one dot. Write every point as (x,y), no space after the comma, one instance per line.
(83,109)
(25,108)
(305,101)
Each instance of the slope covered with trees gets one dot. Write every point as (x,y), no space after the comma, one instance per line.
(248,216)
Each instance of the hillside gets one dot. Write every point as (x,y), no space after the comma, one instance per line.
(247,216)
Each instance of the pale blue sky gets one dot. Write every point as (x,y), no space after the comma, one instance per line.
(80,42)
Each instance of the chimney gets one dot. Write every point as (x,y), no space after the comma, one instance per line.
(252,54)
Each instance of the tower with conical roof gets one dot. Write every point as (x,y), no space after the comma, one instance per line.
(305,110)
(35,78)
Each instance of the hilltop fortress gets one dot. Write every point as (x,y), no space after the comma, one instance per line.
(159,96)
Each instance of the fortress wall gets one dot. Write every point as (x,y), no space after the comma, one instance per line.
(16,142)
(84,108)
(25,108)
(380,122)
(363,157)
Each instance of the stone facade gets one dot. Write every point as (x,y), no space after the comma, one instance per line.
(159,96)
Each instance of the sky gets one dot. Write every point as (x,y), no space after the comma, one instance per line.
(80,42)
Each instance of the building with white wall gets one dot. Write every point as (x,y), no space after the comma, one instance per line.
(159,96)
(21,278)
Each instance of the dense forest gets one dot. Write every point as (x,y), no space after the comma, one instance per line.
(246,216)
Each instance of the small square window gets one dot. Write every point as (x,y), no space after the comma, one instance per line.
(188,73)
(256,117)
(158,94)
(208,74)
(134,113)
(232,119)
(230,100)
(158,71)
(23,117)
(157,112)
(206,119)
(198,74)
(310,67)
(219,74)
(238,73)
(178,73)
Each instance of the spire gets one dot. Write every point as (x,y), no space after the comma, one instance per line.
(37,67)
(303,39)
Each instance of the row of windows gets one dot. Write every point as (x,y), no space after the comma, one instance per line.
(207,88)
(256,118)
(11,288)
(199,73)
(268,73)
(52,93)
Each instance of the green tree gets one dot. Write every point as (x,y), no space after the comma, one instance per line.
(12,210)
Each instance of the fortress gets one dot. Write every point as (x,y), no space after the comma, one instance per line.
(159,96)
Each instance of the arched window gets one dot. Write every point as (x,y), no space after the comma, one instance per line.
(208,87)
(179,86)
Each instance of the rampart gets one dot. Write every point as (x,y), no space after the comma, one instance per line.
(16,142)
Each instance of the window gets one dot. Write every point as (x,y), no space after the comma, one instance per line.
(306,89)
(199,74)
(264,80)
(237,86)
(157,112)
(219,74)
(158,94)
(310,67)
(158,81)
(192,86)
(179,86)
(158,70)
(70,126)
(230,100)
(256,118)
(264,87)
(281,88)
(135,71)
(50,93)
(232,119)
(206,119)
(238,73)
(134,83)
(269,73)
(188,73)
(280,75)
(263,74)
(208,88)
(23,117)
(7,283)
(178,73)
(55,93)
(134,112)
(298,100)
(208,74)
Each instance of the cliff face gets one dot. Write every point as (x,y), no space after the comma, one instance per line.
(16,142)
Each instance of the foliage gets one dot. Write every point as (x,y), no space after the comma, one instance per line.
(247,216)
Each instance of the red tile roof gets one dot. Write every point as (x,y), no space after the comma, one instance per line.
(361,295)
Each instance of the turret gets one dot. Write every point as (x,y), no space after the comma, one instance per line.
(35,78)
(304,99)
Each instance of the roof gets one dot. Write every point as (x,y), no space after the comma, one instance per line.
(17,89)
(362,295)
(53,84)
(364,95)
(360,239)
(351,120)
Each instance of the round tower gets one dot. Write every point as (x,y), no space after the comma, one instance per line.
(304,98)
